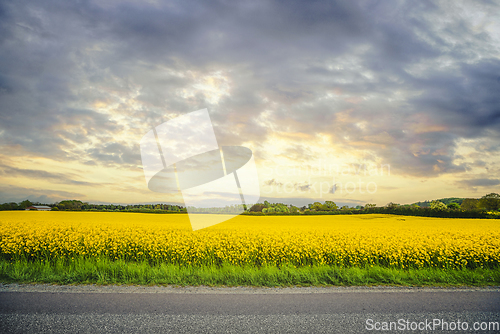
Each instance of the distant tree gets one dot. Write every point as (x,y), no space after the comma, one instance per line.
(317,206)
(71,205)
(453,206)
(330,206)
(9,206)
(368,205)
(392,205)
(25,204)
(280,207)
(451,200)
(424,204)
(490,202)
(437,205)
(269,210)
(470,204)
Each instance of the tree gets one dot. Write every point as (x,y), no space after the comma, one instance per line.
(25,204)
(345,208)
(368,205)
(437,205)
(71,205)
(453,206)
(317,206)
(280,207)
(330,206)
(490,202)
(470,204)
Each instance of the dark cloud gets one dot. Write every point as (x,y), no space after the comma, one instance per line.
(474,183)
(467,99)
(419,83)
(9,172)
(17,194)
(115,154)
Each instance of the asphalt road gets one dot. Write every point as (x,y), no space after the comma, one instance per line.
(247,311)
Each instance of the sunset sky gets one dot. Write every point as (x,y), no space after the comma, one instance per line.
(354,102)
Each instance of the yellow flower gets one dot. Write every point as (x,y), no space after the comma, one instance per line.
(358,240)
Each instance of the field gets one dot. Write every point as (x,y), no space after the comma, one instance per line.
(394,245)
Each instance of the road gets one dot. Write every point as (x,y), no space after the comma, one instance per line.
(48,309)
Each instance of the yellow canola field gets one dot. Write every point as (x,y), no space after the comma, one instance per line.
(344,240)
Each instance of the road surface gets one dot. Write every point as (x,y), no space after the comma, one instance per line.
(91,309)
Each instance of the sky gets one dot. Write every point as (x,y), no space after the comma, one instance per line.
(348,101)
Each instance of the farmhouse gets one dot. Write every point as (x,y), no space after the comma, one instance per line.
(39,208)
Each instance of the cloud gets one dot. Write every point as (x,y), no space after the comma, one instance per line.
(47,196)
(8,171)
(301,201)
(475,183)
(290,186)
(273,182)
(117,154)
(391,81)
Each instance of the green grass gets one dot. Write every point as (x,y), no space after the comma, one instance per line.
(90,271)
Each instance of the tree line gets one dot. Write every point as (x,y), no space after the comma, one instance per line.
(484,207)
(75,205)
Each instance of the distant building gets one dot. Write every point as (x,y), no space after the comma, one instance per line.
(39,208)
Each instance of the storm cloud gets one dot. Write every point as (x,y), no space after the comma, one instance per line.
(83,81)
(475,183)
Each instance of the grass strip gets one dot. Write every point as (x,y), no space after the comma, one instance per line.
(103,271)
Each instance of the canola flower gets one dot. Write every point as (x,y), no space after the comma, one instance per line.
(342,240)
